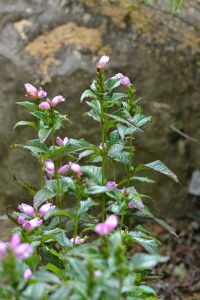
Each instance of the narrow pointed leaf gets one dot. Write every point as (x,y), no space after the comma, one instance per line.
(87,94)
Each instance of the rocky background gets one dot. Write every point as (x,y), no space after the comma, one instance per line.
(56,44)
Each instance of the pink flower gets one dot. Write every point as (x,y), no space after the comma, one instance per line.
(63,169)
(41,93)
(131,204)
(20,250)
(75,167)
(31,91)
(30,225)
(27,209)
(61,142)
(27,274)
(125,80)
(56,100)
(49,167)
(101,146)
(3,249)
(97,273)
(45,208)
(102,62)
(111,184)
(20,220)
(23,250)
(44,105)
(108,225)
(78,240)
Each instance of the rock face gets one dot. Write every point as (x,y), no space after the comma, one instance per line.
(56,44)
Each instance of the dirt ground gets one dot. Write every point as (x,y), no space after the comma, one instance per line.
(180,276)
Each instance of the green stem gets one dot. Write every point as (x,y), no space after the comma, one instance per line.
(56,174)
(76,218)
(121,221)
(130,157)
(41,171)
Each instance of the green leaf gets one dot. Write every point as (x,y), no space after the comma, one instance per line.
(42,196)
(93,85)
(145,261)
(112,83)
(159,167)
(115,96)
(96,106)
(142,179)
(123,116)
(43,116)
(25,123)
(93,173)
(149,245)
(63,240)
(88,93)
(72,146)
(29,105)
(43,134)
(60,273)
(59,212)
(85,205)
(120,157)
(140,120)
(61,293)
(33,261)
(166,226)
(85,153)
(45,276)
(35,146)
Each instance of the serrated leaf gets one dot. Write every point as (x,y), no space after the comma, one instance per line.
(28,104)
(115,96)
(63,240)
(140,120)
(43,116)
(88,93)
(35,146)
(85,205)
(25,123)
(42,196)
(123,116)
(149,245)
(161,168)
(93,173)
(59,212)
(120,157)
(112,83)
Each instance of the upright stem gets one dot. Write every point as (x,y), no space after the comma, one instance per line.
(58,197)
(41,171)
(130,157)
(76,218)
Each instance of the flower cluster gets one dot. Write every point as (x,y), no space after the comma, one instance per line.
(108,225)
(49,168)
(20,250)
(125,80)
(29,225)
(35,94)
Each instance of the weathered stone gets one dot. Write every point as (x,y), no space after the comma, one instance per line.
(57,44)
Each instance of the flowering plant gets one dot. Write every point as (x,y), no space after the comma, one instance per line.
(87,251)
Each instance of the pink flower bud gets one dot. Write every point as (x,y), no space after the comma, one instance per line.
(27,209)
(45,208)
(56,100)
(78,240)
(49,167)
(102,62)
(3,249)
(30,225)
(125,80)
(75,168)
(63,169)
(27,274)
(131,204)
(15,240)
(20,220)
(41,93)
(101,147)
(31,91)
(44,105)
(111,184)
(61,142)
(23,250)
(108,225)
